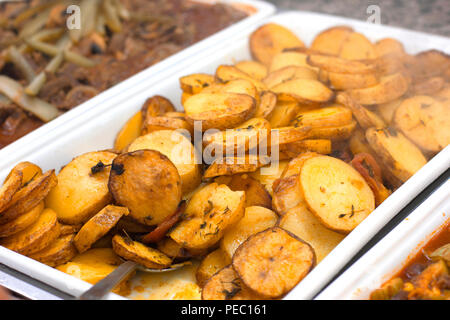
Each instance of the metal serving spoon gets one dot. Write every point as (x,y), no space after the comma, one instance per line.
(104,286)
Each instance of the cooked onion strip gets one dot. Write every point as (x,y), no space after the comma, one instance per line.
(35,24)
(21,63)
(111,16)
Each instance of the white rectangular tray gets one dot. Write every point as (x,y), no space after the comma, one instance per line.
(96,128)
(391,254)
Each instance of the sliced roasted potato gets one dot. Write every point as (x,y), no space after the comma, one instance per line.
(58,252)
(195,83)
(140,253)
(130,131)
(268,174)
(147,183)
(358,143)
(180,152)
(425,121)
(290,59)
(331,116)
(270,39)
(400,157)
(225,73)
(304,91)
(226,285)
(132,226)
(357,47)
(98,226)
(219,110)
(256,219)
(36,237)
(169,121)
(289,73)
(387,110)
(29,172)
(11,185)
(174,250)
(333,133)
(29,196)
(305,225)
(233,165)
(156,106)
(365,117)
(294,149)
(330,41)
(388,46)
(429,86)
(267,103)
(22,222)
(209,213)
(336,193)
(254,69)
(213,262)
(80,192)
(340,65)
(342,81)
(390,88)
(241,86)
(283,114)
(66,229)
(272,262)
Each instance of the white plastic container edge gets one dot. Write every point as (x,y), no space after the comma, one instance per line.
(388,256)
(96,129)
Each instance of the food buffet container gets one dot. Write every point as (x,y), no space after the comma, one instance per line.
(96,129)
(392,253)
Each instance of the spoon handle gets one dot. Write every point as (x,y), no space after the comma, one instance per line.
(104,286)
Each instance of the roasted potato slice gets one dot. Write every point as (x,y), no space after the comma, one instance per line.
(340,65)
(342,81)
(21,222)
(305,225)
(209,213)
(169,121)
(387,110)
(29,172)
(303,91)
(195,83)
(80,192)
(267,103)
(268,174)
(254,69)
(156,106)
(213,262)
(425,121)
(284,113)
(336,193)
(400,157)
(36,237)
(180,152)
(330,41)
(294,149)
(290,59)
(29,196)
(132,226)
(219,110)
(11,185)
(60,251)
(225,73)
(390,88)
(174,250)
(129,132)
(256,219)
(66,229)
(357,47)
(364,116)
(429,86)
(358,143)
(98,226)
(273,262)
(139,253)
(331,116)
(147,183)
(233,165)
(388,46)
(241,86)
(226,285)
(270,39)
(333,133)
(289,73)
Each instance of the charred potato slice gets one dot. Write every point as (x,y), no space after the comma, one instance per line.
(336,193)
(58,252)
(130,131)
(270,39)
(22,222)
(195,83)
(180,152)
(209,213)
(273,262)
(147,183)
(254,69)
(98,226)
(305,225)
(425,121)
(212,263)
(400,157)
(256,219)
(36,237)
(139,253)
(226,285)
(303,91)
(80,193)
(330,41)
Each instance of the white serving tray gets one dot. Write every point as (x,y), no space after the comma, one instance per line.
(391,254)
(96,128)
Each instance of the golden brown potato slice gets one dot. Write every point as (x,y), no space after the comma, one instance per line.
(283,114)
(226,285)
(289,73)
(169,121)
(270,39)
(132,226)
(425,121)
(140,253)
(98,226)
(268,102)
(58,252)
(268,174)
(387,110)
(233,165)
(36,237)
(80,193)
(400,157)
(342,81)
(303,91)
(29,172)
(209,213)
(180,152)
(254,69)
(66,229)
(241,86)
(340,65)
(219,110)
(336,193)
(147,183)
(388,46)
(364,116)
(273,262)
(305,225)
(156,106)
(333,133)
(29,196)
(330,40)
(357,47)
(290,59)
(130,131)
(212,263)
(333,115)
(358,143)
(427,64)
(428,86)
(22,222)
(174,250)
(11,185)
(256,219)
(195,83)
(294,149)
(390,88)
(225,73)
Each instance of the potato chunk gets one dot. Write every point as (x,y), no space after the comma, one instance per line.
(22,222)
(130,131)
(304,91)
(58,252)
